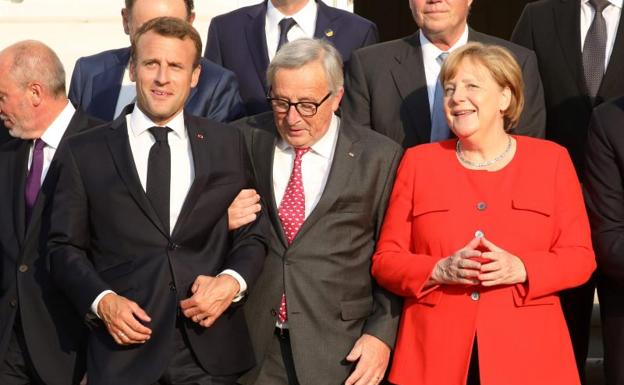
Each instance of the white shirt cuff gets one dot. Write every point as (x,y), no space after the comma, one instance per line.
(96,302)
(241,282)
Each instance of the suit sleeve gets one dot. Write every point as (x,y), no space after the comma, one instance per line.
(75,86)
(69,237)
(357,103)
(533,119)
(249,242)
(523,31)
(384,321)
(395,266)
(226,104)
(570,260)
(213,50)
(605,199)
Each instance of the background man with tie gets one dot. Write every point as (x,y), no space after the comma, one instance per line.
(245,40)
(580,51)
(42,338)
(391,87)
(101,83)
(316,316)
(139,228)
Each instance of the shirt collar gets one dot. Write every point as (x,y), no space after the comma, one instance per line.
(139,123)
(616,3)
(324,146)
(305,18)
(54,133)
(431,52)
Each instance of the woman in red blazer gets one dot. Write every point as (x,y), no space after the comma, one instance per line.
(480,235)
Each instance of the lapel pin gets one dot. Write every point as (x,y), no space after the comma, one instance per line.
(351,154)
(329,32)
(200,136)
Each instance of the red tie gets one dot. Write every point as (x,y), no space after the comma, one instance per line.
(292,212)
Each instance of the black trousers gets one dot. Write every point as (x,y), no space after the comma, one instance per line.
(17,367)
(473,369)
(184,369)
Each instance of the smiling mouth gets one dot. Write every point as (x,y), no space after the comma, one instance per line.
(462,112)
(161,93)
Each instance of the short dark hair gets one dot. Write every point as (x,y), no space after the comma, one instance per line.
(169,27)
(188,3)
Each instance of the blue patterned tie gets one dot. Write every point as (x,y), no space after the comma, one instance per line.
(439,127)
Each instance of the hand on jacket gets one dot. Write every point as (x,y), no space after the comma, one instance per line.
(211,296)
(504,268)
(459,268)
(122,319)
(372,355)
(243,209)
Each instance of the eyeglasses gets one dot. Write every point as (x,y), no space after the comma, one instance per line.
(305,109)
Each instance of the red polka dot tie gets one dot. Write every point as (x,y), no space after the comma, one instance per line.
(292,212)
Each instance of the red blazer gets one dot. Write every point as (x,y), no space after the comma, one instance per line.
(532,208)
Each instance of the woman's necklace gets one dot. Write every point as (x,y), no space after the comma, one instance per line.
(460,155)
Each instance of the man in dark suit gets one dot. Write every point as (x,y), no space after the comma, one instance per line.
(245,40)
(316,316)
(604,178)
(42,337)
(101,85)
(145,248)
(392,87)
(559,32)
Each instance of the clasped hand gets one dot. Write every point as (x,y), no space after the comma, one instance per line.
(471,266)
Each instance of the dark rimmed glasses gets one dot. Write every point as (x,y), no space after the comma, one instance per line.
(305,108)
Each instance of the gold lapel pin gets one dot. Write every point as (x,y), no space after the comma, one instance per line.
(329,32)
(200,136)
(351,154)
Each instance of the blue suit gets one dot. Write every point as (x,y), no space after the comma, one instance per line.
(237,41)
(96,82)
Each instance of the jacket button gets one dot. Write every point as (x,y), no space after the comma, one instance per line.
(172,246)
(481,206)
(13,303)
(479,234)
(23,268)
(273,313)
(172,286)
(474,296)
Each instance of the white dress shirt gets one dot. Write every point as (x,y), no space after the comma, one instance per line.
(315,166)
(182,175)
(127,92)
(52,137)
(430,55)
(305,27)
(612,17)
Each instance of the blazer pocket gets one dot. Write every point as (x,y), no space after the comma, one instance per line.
(356,308)
(348,207)
(534,204)
(521,301)
(425,208)
(117,276)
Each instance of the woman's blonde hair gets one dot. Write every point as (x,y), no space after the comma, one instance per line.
(501,65)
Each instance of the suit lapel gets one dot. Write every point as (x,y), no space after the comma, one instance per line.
(256,42)
(613,81)
(346,157)
(201,164)
(19,204)
(323,28)
(119,146)
(409,77)
(109,82)
(567,16)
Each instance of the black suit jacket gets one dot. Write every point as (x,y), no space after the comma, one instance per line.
(325,271)
(604,196)
(54,332)
(237,41)
(551,28)
(106,235)
(386,89)
(4,134)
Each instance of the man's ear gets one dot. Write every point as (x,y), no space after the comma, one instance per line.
(125,18)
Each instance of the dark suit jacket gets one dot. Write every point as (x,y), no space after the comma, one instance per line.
(551,28)
(386,89)
(106,235)
(237,41)
(96,82)
(4,133)
(325,272)
(53,330)
(604,197)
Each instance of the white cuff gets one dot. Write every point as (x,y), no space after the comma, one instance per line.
(96,302)
(241,283)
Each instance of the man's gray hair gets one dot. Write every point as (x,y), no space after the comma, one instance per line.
(301,52)
(35,61)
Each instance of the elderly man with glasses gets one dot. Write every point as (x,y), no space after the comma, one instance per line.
(315,315)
